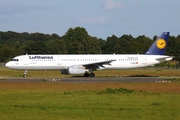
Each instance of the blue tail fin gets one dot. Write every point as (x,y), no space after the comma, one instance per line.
(159,46)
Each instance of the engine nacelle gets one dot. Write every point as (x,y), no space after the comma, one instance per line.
(74,70)
(65,71)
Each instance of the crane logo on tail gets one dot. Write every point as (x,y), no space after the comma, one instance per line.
(161,43)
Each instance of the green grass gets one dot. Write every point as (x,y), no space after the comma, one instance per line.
(83,105)
(52,101)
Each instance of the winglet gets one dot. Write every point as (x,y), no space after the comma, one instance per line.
(159,46)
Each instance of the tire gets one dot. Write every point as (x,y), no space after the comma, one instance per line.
(24,76)
(92,75)
(86,74)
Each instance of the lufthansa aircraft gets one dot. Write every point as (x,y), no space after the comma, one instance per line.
(86,64)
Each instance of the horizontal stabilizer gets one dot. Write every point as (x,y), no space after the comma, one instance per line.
(164,59)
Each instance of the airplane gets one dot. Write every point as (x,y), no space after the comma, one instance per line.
(86,64)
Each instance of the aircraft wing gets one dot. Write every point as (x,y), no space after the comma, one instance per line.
(97,65)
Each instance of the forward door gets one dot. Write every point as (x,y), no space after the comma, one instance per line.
(59,60)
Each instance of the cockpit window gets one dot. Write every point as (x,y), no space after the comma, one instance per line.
(14,60)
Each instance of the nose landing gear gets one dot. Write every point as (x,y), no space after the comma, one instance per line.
(25,74)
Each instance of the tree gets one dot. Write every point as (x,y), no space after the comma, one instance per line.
(76,47)
(142,44)
(79,42)
(39,37)
(36,47)
(173,48)
(55,37)
(127,44)
(6,53)
(112,45)
(102,44)
(56,47)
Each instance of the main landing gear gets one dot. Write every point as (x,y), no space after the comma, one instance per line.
(86,74)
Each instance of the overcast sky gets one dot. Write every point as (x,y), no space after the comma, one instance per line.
(101,18)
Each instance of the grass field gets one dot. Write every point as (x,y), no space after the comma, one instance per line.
(83,101)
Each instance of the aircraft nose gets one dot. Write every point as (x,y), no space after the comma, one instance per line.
(8,64)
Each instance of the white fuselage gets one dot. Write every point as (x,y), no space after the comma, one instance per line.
(60,62)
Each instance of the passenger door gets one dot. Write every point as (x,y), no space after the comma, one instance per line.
(59,60)
(144,60)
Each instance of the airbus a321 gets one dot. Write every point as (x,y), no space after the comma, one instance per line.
(86,64)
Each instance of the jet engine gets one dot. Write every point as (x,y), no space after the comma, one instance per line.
(74,70)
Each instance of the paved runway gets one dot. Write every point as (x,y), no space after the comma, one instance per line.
(86,80)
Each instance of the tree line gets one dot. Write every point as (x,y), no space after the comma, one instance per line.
(77,41)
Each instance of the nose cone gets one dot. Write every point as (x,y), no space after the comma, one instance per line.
(8,65)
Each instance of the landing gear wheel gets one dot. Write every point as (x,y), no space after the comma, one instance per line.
(92,75)
(24,76)
(86,74)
